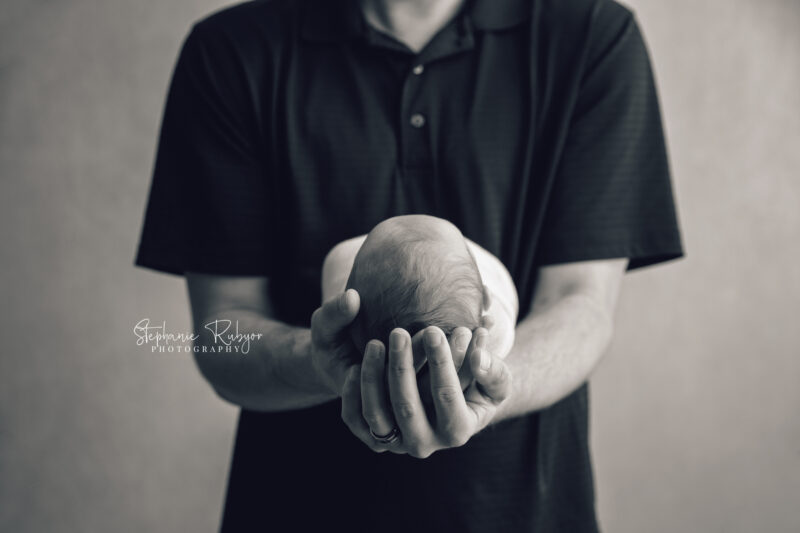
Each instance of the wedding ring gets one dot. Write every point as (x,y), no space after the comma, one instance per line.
(389,438)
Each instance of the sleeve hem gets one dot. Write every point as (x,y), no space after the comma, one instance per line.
(639,255)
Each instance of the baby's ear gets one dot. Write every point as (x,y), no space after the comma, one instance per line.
(487,299)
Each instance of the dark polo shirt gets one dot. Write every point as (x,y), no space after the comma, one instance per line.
(533,125)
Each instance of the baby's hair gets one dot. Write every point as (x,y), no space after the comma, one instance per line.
(412,282)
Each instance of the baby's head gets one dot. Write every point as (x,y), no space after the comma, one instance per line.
(412,272)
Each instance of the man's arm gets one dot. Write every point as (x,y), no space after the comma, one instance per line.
(563,337)
(288,367)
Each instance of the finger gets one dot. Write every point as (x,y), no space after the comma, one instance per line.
(351,410)
(480,339)
(452,414)
(406,403)
(465,377)
(491,374)
(459,342)
(375,406)
(328,321)
(465,374)
(418,350)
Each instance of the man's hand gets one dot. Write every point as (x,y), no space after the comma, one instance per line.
(332,354)
(457,415)
(461,338)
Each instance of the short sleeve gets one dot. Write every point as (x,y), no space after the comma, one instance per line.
(208,208)
(612,195)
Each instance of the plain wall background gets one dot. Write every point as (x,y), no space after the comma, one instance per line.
(695,416)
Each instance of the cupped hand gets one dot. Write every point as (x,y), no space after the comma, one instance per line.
(382,393)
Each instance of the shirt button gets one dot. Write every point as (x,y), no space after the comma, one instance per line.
(417,120)
(419,69)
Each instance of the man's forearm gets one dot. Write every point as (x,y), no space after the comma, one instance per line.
(275,375)
(556,347)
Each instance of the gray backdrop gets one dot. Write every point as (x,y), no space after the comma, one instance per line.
(695,410)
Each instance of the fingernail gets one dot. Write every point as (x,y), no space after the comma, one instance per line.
(432,338)
(350,298)
(373,350)
(486,362)
(480,342)
(461,342)
(397,340)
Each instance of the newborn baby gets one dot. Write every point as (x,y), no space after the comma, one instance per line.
(416,271)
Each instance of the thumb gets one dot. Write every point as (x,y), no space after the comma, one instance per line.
(334,315)
(491,374)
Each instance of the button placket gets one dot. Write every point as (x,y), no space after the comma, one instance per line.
(414,141)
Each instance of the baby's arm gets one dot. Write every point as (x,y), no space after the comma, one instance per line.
(503,301)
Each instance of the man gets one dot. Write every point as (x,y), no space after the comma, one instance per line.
(533,125)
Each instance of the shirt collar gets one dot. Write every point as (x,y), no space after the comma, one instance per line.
(341,20)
